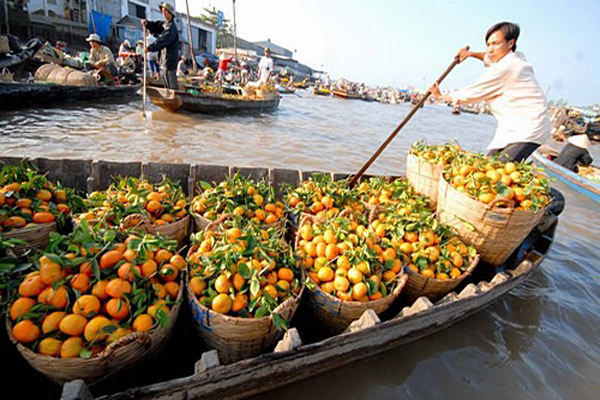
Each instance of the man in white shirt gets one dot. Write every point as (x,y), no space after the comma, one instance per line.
(512,92)
(265,67)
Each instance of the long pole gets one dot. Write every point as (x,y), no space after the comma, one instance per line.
(399,127)
(6,17)
(145,73)
(191,38)
(234,34)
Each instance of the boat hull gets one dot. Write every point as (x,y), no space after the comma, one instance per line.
(575,181)
(345,95)
(175,100)
(22,95)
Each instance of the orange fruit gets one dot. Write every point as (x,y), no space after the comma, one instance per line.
(44,195)
(341,284)
(159,305)
(240,301)
(222,303)
(178,262)
(162,255)
(26,331)
(117,288)
(153,206)
(128,273)
(87,305)
(81,282)
(50,347)
(285,274)
(172,289)
(43,217)
(168,272)
(198,285)
(325,274)
(86,268)
(271,290)
(72,324)
(71,347)
(359,291)
(159,290)
(24,203)
(129,255)
(222,284)
(118,309)
(238,281)
(51,272)
(20,307)
(94,330)
(143,323)
(99,290)
(52,321)
(59,297)
(118,334)
(149,268)
(32,286)
(110,259)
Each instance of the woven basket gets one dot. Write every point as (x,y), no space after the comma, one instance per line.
(37,237)
(238,338)
(120,355)
(424,176)
(177,230)
(434,289)
(334,314)
(494,232)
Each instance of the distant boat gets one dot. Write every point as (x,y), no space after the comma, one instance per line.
(321,91)
(175,100)
(577,182)
(345,94)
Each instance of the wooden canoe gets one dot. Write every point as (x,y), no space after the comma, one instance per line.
(321,92)
(302,356)
(345,95)
(175,100)
(575,181)
(22,95)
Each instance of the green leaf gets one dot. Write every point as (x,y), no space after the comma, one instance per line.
(244,271)
(109,329)
(389,264)
(261,312)
(254,286)
(280,323)
(109,236)
(205,185)
(85,353)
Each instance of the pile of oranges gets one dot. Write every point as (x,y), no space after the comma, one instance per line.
(443,154)
(347,259)
(96,287)
(243,269)
(28,198)
(423,244)
(321,196)
(382,192)
(240,196)
(488,178)
(162,203)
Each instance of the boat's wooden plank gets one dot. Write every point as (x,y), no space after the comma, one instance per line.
(70,173)
(176,172)
(273,370)
(10,160)
(307,174)
(252,172)
(105,172)
(207,173)
(279,177)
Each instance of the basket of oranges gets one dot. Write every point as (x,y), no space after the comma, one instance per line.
(350,269)
(244,287)
(100,302)
(159,208)
(491,204)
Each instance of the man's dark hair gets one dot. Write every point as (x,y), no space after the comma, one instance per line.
(510,31)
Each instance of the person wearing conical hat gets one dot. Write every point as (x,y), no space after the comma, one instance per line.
(167,43)
(575,153)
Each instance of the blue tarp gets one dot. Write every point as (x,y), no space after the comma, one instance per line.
(103,23)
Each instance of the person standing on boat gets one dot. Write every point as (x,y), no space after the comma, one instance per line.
(509,86)
(167,43)
(223,65)
(265,67)
(101,59)
(575,153)
(153,59)
(182,69)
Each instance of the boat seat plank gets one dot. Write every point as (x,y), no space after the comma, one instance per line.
(208,173)
(252,172)
(280,176)
(104,172)
(176,172)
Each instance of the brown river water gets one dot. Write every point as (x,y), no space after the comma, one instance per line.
(539,342)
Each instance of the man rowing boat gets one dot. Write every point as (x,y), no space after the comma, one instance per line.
(512,92)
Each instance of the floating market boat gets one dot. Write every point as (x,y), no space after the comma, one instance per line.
(285,90)
(345,94)
(301,85)
(22,95)
(300,356)
(321,91)
(196,101)
(581,184)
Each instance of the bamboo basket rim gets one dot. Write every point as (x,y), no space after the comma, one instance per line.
(27,230)
(148,228)
(473,264)
(110,352)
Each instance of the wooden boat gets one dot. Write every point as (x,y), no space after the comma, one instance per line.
(22,95)
(575,181)
(285,90)
(301,356)
(174,100)
(345,94)
(301,85)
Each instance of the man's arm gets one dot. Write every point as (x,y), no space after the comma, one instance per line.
(464,54)
(154,27)
(166,38)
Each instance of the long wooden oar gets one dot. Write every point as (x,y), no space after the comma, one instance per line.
(406,119)
(145,78)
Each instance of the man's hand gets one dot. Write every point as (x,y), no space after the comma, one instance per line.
(463,54)
(435,90)
(144,23)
